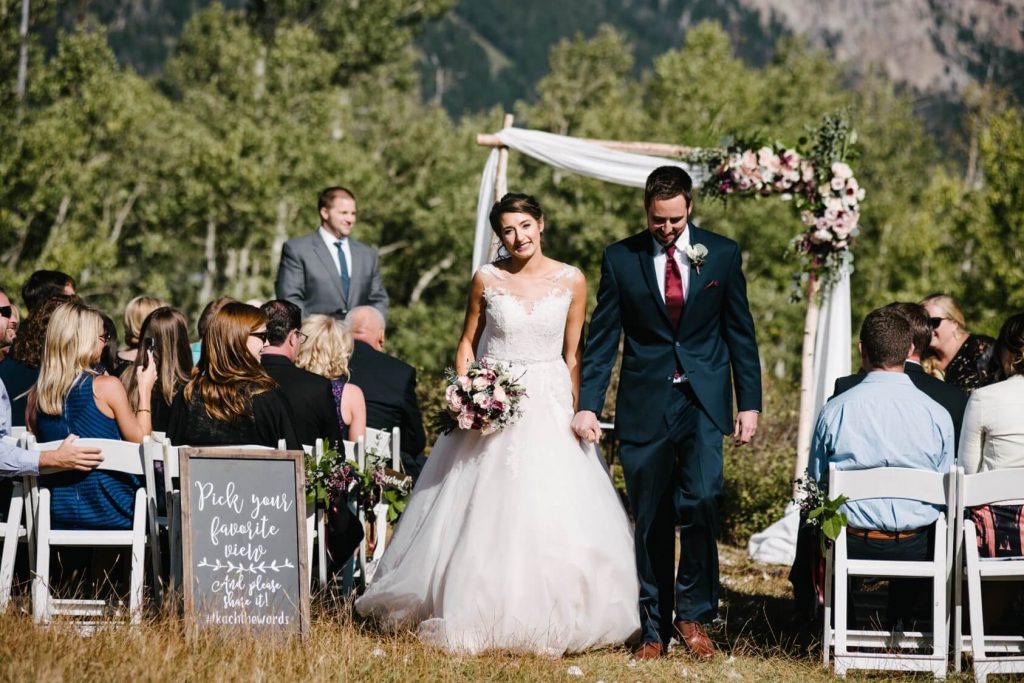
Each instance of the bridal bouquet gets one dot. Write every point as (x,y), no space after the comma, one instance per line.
(486,398)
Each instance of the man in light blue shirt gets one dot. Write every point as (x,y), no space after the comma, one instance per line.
(885,421)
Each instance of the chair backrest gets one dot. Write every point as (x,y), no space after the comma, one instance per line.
(386,441)
(936,488)
(354,451)
(118,456)
(992,486)
(18,432)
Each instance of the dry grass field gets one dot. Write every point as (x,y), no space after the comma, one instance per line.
(758,640)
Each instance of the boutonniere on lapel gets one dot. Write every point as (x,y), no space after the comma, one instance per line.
(697,253)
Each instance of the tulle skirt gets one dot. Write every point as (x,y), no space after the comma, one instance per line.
(514,541)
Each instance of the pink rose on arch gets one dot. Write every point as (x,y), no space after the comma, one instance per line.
(807,218)
(837,183)
(806,171)
(749,160)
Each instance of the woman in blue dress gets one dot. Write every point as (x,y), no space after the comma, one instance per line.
(70,397)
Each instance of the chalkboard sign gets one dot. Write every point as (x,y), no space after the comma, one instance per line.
(244,539)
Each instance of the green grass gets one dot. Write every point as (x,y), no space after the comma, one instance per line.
(758,642)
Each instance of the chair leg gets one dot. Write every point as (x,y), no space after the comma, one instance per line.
(41,577)
(138,557)
(321,540)
(10,547)
(974,593)
(310,536)
(826,638)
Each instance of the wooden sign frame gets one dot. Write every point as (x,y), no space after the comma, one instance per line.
(185,455)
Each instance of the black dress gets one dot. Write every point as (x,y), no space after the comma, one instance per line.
(266,422)
(971,367)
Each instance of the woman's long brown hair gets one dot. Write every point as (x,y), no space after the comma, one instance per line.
(228,375)
(169,330)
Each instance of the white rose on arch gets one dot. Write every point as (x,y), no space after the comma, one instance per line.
(842,171)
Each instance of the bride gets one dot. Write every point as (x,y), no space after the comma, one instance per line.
(516,540)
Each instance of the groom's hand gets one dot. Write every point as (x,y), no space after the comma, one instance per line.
(746,426)
(585,425)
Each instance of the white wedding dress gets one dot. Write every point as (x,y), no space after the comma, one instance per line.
(516,540)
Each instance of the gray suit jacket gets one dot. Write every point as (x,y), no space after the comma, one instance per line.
(308,278)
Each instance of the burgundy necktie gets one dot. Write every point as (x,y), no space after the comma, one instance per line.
(674,299)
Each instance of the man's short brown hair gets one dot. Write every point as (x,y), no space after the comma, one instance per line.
(328,196)
(885,338)
(920,328)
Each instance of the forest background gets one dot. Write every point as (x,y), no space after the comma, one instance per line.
(178,167)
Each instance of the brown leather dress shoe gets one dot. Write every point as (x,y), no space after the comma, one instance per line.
(648,651)
(695,638)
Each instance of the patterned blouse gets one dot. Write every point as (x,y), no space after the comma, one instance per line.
(972,367)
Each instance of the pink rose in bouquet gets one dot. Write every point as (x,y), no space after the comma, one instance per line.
(486,398)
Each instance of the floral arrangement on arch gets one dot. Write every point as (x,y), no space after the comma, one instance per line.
(820,183)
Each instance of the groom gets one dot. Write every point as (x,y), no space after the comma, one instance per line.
(679,295)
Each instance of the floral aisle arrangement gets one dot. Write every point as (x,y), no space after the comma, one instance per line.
(819,511)
(334,478)
(487,398)
(818,180)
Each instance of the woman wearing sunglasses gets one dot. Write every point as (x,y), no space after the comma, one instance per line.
(230,400)
(957,356)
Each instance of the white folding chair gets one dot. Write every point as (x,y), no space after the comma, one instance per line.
(993,654)
(13,531)
(118,456)
(876,649)
(153,452)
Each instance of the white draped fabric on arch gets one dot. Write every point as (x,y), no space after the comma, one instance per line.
(776,544)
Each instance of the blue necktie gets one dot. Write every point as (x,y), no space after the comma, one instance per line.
(344,268)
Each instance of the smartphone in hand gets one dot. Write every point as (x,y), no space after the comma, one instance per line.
(148,348)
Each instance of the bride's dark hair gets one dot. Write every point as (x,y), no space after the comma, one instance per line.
(514,202)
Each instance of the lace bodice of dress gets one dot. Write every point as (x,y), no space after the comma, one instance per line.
(525,317)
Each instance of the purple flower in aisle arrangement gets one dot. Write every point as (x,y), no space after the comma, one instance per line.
(485,399)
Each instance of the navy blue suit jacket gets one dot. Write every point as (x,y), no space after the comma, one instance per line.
(714,341)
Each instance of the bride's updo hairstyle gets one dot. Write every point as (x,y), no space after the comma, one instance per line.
(514,202)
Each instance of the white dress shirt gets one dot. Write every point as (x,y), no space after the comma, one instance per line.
(329,240)
(661,259)
(992,436)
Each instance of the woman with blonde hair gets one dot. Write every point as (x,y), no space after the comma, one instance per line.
(134,315)
(165,332)
(326,349)
(70,397)
(230,399)
(957,356)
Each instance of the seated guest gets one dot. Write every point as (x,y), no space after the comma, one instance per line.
(109,363)
(231,400)
(957,356)
(885,421)
(994,439)
(325,350)
(5,399)
(45,284)
(19,370)
(70,397)
(7,337)
(168,330)
(388,384)
(949,396)
(134,313)
(204,320)
(308,394)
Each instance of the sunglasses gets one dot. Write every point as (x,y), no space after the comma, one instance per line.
(935,322)
(262,336)
(105,338)
(5,311)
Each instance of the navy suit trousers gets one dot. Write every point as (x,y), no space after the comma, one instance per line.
(675,479)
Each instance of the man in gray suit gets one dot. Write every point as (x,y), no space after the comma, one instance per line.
(327,271)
